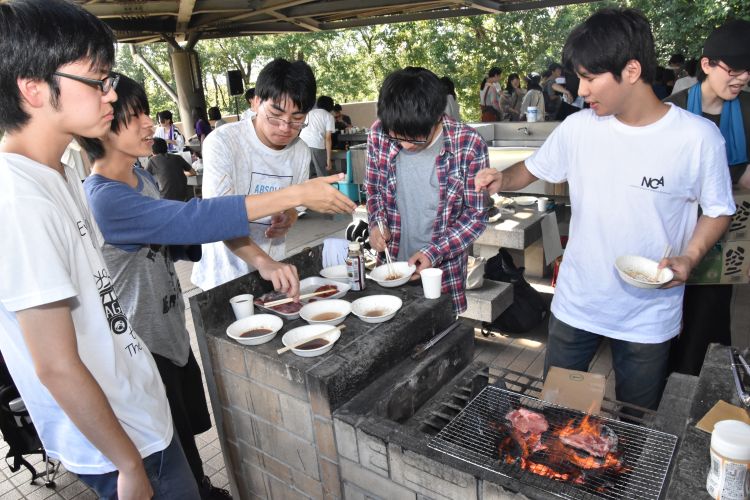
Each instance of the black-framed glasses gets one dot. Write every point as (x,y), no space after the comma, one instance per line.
(416,142)
(106,84)
(277,122)
(730,71)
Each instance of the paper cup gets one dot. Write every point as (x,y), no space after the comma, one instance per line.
(541,204)
(432,279)
(242,305)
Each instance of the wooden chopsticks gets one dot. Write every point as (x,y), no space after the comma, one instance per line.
(314,337)
(388,261)
(274,303)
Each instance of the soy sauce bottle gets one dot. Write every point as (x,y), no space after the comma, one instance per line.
(355,266)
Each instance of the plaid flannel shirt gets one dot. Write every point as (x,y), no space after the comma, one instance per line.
(462,212)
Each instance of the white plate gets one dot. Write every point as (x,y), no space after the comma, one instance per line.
(309,285)
(240,326)
(390,304)
(296,334)
(380,273)
(342,308)
(641,272)
(525,201)
(337,273)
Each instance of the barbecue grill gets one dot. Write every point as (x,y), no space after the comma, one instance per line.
(473,436)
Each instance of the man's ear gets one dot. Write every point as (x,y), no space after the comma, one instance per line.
(34,92)
(632,71)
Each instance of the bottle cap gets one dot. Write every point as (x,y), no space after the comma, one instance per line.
(354,245)
(731,439)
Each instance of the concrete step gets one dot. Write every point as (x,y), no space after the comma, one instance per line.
(488,302)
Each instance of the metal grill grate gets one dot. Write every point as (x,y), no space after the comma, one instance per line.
(645,452)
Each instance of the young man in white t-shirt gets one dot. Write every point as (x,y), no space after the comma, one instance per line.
(257,156)
(167,131)
(638,170)
(89,383)
(318,134)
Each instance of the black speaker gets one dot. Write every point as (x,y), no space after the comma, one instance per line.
(234,81)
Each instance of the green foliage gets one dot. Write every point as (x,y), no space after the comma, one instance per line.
(350,64)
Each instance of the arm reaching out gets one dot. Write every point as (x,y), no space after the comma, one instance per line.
(512,178)
(283,276)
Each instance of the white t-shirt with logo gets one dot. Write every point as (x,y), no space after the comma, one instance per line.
(319,121)
(633,190)
(49,251)
(235,161)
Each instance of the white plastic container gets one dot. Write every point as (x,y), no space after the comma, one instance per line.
(532,114)
(729,476)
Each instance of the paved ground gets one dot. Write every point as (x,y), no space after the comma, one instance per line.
(523,353)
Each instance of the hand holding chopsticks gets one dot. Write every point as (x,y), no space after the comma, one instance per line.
(389,262)
(308,339)
(287,300)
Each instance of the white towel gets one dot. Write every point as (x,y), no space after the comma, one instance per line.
(334,251)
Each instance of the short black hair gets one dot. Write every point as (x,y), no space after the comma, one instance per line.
(337,107)
(214,113)
(448,85)
(532,81)
(554,67)
(494,71)
(36,38)
(411,102)
(677,59)
(325,102)
(131,101)
(249,94)
(607,40)
(162,116)
(159,147)
(282,79)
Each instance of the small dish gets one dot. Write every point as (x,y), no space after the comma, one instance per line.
(309,285)
(336,273)
(525,201)
(302,332)
(368,308)
(326,312)
(403,269)
(641,272)
(255,322)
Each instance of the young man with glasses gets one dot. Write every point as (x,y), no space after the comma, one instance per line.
(258,156)
(638,171)
(718,96)
(89,383)
(419,179)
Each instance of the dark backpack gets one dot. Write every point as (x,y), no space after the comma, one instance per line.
(528,308)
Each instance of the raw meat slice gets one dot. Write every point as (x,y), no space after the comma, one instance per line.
(525,421)
(593,444)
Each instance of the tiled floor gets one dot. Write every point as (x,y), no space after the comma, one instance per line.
(523,353)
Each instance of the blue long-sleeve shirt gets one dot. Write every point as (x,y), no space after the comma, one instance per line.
(129,219)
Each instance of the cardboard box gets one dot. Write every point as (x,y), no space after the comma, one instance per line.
(726,263)
(739,229)
(580,391)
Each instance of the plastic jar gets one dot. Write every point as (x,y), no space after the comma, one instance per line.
(729,476)
(532,114)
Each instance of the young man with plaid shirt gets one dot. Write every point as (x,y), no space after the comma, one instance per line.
(420,180)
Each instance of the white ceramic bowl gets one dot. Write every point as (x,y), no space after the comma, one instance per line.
(525,201)
(300,333)
(387,304)
(269,321)
(336,273)
(380,273)
(641,272)
(341,309)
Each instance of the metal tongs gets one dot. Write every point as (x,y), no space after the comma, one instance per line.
(422,348)
(734,357)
